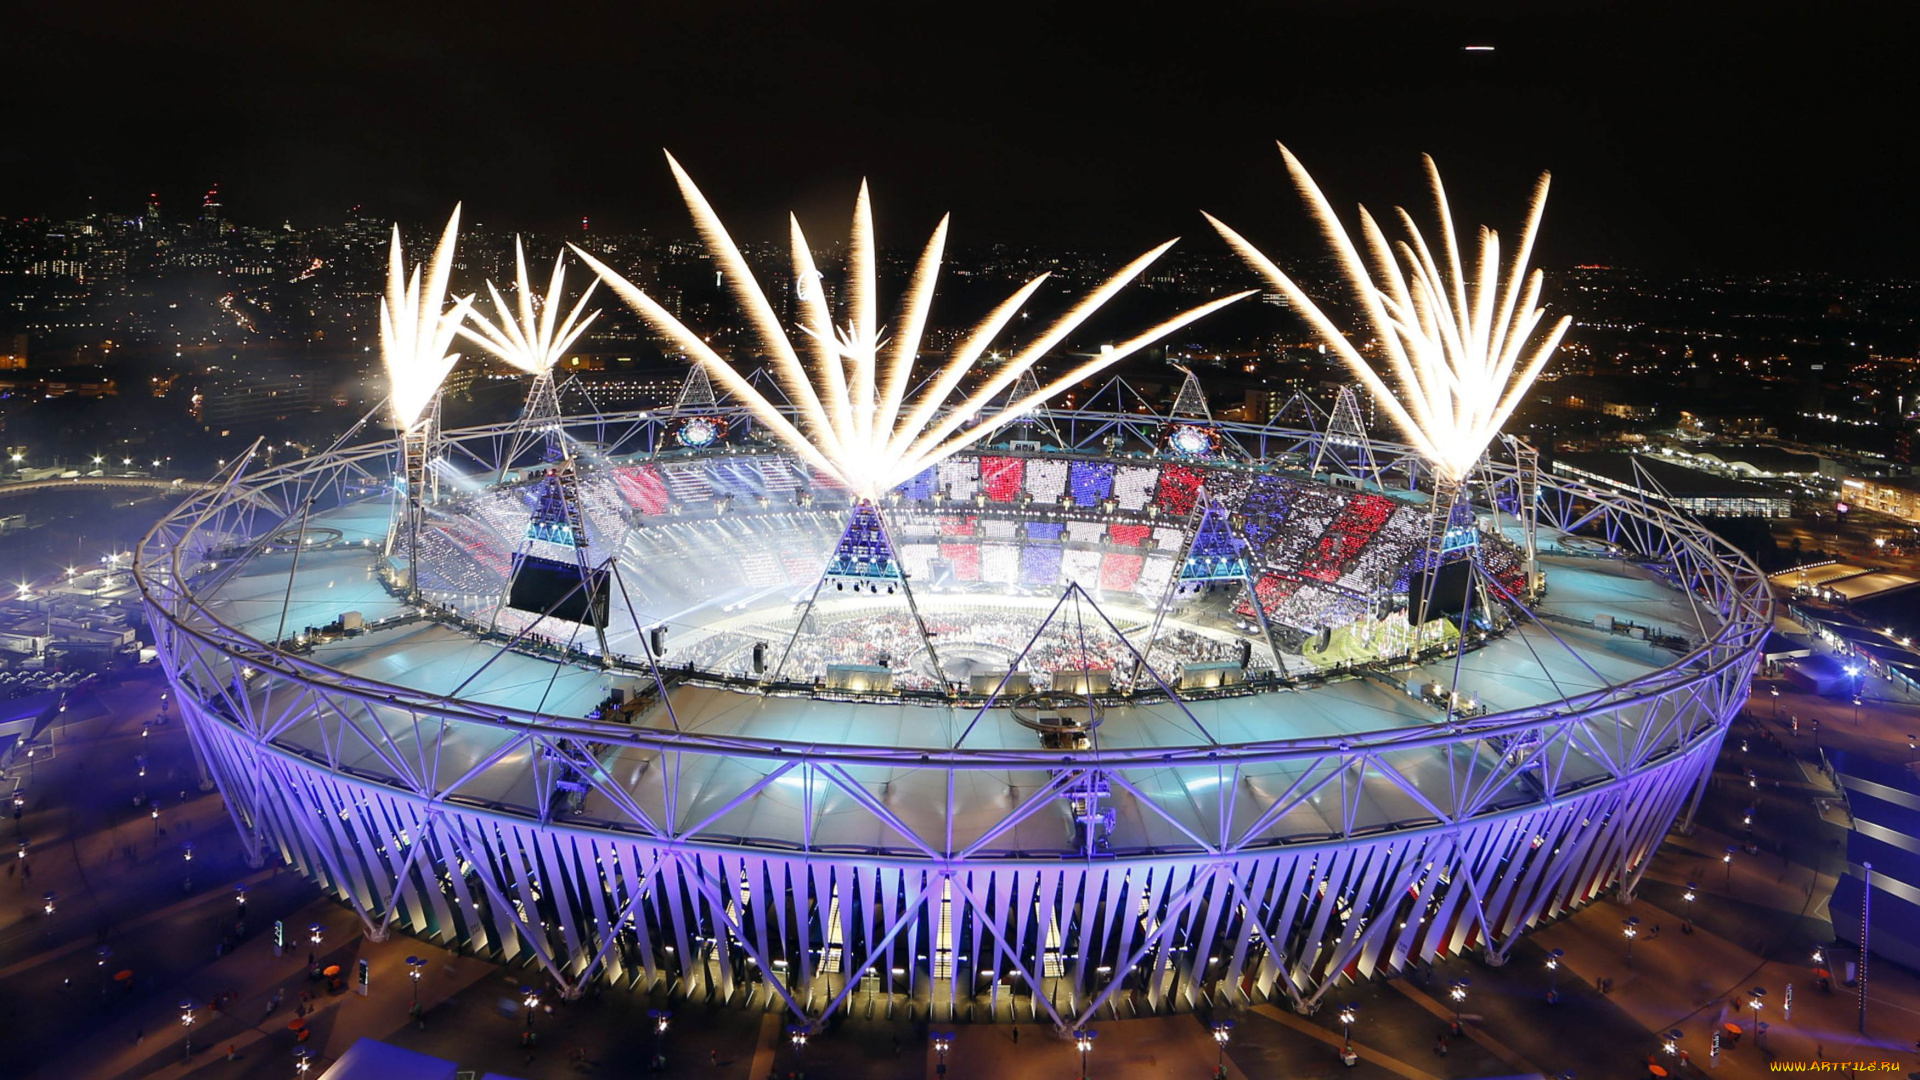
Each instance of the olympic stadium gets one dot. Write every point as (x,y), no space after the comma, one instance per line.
(1084,713)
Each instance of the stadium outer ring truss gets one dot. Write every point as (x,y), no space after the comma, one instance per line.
(965,930)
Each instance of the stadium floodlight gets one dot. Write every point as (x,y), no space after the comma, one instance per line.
(1462,347)
(855,420)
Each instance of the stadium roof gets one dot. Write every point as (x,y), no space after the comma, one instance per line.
(1756,458)
(1678,481)
(734,797)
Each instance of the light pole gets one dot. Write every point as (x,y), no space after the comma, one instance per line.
(1083,1041)
(1631,928)
(1866,942)
(1222,1032)
(797,1035)
(302,1060)
(942,1042)
(100,957)
(186,1021)
(530,998)
(1553,975)
(1670,1042)
(415,966)
(1347,1017)
(1459,995)
(1728,859)
(46,905)
(1776,702)
(1756,998)
(1687,922)
(154,813)
(660,1017)
(186,857)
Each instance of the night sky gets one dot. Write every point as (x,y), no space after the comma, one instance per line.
(1744,137)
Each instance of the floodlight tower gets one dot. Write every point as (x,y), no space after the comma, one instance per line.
(1459,337)
(1526,462)
(417,329)
(1346,434)
(532,337)
(1215,554)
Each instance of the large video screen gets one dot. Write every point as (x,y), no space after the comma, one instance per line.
(540,584)
(1452,589)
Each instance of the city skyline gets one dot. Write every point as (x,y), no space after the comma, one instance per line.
(1669,144)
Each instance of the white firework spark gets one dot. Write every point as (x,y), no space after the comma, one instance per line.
(417,328)
(1461,348)
(856,423)
(532,336)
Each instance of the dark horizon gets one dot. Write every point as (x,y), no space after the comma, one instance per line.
(1725,139)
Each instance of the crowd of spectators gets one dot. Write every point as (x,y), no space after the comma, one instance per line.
(1322,556)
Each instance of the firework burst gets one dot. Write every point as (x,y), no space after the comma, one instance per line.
(1462,347)
(531,336)
(417,327)
(856,420)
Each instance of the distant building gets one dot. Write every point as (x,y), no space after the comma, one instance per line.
(1620,398)
(237,400)
(613,389)
(1691,490)
(1735,423)
(1880,798)
(1747,460)
(1894,496)
(14,356)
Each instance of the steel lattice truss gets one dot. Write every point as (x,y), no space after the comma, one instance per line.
(1241,906)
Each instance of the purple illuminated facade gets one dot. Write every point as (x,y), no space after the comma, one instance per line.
(1256,829)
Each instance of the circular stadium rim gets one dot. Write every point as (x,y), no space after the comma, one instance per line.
(955,923)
